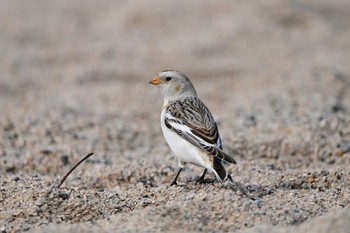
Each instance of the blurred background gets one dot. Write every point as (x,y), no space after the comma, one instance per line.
(74,77)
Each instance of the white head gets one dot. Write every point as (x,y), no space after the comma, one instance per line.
(173,85)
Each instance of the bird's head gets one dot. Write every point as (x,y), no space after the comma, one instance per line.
(173,85)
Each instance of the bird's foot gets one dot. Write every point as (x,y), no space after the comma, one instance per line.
(200,180)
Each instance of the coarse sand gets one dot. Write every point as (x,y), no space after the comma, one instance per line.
(74,80)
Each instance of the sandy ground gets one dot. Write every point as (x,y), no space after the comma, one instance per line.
(74,79)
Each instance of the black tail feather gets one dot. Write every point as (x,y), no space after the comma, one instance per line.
(227,158)
(220,169)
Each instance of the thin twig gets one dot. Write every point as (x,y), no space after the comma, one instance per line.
(76,165)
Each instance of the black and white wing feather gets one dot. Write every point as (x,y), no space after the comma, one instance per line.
(192,120)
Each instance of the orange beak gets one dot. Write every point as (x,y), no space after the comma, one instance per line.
(155,80)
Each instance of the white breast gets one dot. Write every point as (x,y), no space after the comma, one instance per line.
(182,149)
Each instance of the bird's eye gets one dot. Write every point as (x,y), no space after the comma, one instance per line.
(168,79)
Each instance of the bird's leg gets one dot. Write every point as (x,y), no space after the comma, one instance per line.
(177,175)
(200,179)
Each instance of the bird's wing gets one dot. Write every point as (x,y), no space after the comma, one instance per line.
(192,120)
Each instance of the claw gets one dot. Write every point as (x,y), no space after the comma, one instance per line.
(201,179)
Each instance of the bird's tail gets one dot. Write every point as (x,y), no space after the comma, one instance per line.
(221,173)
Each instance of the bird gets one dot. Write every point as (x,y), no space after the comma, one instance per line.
(189,128)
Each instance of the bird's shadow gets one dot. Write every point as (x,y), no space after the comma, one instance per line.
(252,192)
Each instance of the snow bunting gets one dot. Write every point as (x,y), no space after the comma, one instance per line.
(188,126)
